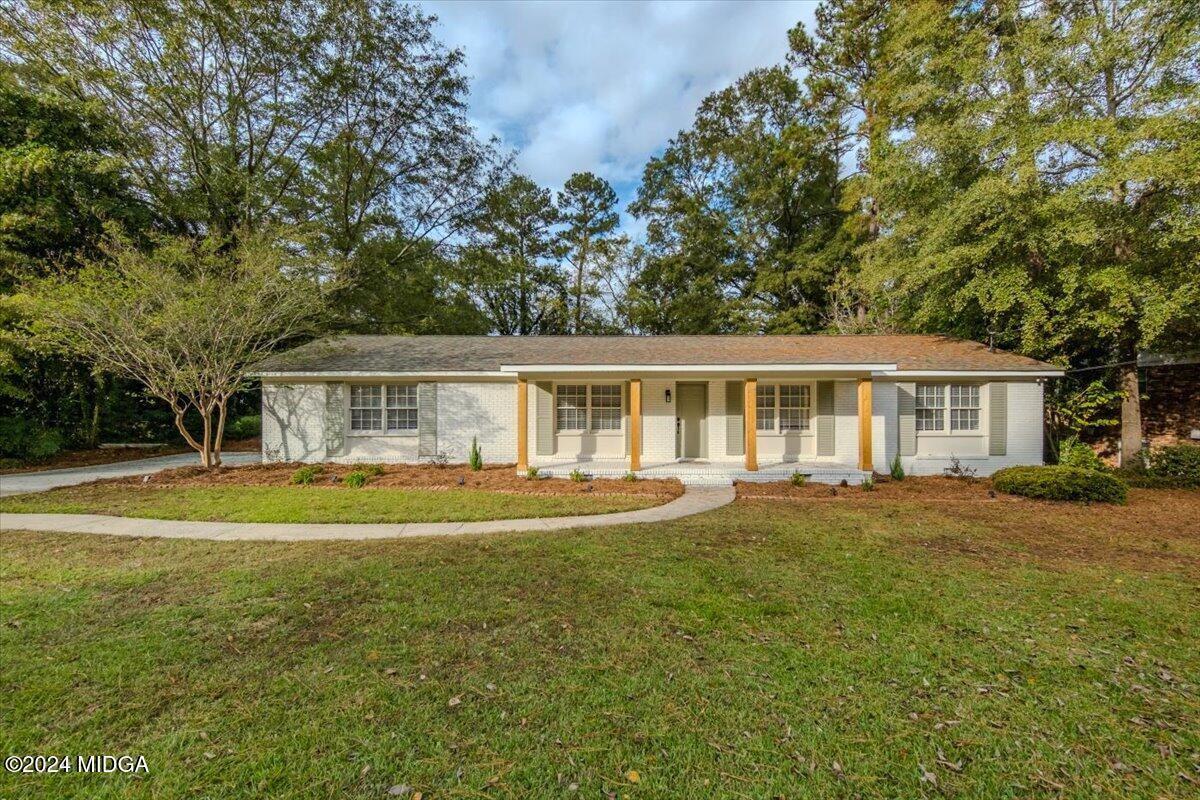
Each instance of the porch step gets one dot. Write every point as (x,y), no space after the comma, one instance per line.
(692,476)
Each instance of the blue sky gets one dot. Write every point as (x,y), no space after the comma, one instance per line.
(602,86)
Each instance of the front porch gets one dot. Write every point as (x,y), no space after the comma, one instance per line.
(707,473)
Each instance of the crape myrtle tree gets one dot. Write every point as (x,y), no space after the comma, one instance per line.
(1043,179)
(185,318)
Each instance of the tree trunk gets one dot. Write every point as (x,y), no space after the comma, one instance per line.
(183,431)
(97,402)
(1131,415)
(222,405)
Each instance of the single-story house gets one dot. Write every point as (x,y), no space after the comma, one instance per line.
(697,407)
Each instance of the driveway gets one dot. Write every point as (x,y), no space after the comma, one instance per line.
(25,482)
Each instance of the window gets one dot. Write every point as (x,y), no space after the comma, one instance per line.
(964,408)
(764,405)
(383,408)
(401,408)
(931,400)
(934,398)
(606,407)
(571,408)
(794,408)
(366,408)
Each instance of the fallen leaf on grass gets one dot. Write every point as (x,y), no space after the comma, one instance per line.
(454,701)
(632,776)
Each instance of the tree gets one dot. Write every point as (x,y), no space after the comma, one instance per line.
(348,115)
(1043,187)
(587,206)
(511,264)
(745,229)
(184,319)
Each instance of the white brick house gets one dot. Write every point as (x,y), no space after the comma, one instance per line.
(713,407)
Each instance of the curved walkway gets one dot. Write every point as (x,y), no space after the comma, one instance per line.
(695,499)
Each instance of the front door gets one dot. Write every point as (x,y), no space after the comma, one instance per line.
(691,410)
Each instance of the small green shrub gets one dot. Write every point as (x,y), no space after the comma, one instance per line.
(868,483)
(356,479)
(27,441)
(1074,453)
(531,473)
(245,427)
(1061,483)
(475,457)
(577,475)
(897,469)
(306,475)
(1179,463)
(372,470)
(799,478)
(630,476)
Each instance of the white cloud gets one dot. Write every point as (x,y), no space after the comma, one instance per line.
(602,86)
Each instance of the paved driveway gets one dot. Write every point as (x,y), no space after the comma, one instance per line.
(24,482)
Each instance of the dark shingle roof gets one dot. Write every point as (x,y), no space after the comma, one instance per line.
(390,354)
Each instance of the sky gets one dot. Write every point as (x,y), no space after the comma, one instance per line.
(603,86)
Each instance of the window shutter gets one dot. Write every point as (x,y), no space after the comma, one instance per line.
(427,419)
(335,419)
(826,420)
(906,411)
(997,419)
(735,419)
(544,428)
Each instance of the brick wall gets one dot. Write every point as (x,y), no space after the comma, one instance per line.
(1172,405)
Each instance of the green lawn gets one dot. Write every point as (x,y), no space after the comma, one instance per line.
(765,649)
(313,504)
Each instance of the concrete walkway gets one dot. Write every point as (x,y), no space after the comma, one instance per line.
(695,499)
(25,482)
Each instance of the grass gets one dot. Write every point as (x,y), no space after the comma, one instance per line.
(297,504)
(769,648)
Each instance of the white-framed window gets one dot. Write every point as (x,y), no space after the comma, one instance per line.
(964,407)
(934,399)
(582,407)
(764,407)
(795,407)
(783,407)
(606,407)
(570,407)
(931,406)
(383,408)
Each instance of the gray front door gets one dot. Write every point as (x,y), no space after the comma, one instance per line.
(691,410)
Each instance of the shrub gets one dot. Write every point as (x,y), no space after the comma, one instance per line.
(356,479)
(372,470)
(868,483)
(1061,483)
(577,475)
(1074,453)
(630,476)
(531,473)
(475,457)
(799,478)
(306,475)
(246,426)
(1179,463)
(957,469)
(27,441)
(897,469)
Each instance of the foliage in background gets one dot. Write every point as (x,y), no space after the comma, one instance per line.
(27,441)
(1074,453)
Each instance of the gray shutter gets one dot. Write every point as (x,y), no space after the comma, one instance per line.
(906,411)
(997,419)
(335,419)
(735,418)
(826,420)
(543,392)
(427,419)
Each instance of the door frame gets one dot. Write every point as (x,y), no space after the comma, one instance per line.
(679,387)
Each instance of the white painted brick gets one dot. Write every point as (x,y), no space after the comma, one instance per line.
(845,408)
(486,410)
(293,421)
(658,421)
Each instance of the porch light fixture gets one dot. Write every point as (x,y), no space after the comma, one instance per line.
(668,395)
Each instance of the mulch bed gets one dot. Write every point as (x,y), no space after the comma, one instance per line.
(494,478)
(115,455)
(922,489)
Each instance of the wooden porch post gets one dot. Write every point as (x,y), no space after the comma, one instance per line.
(750,414)
(635,424)
(864,425)
(522,424)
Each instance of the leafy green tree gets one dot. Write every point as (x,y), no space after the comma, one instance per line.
(512,263)
(1043,184)
(587,207)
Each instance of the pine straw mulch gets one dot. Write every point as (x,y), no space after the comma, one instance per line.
(916,488)
(492,478)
